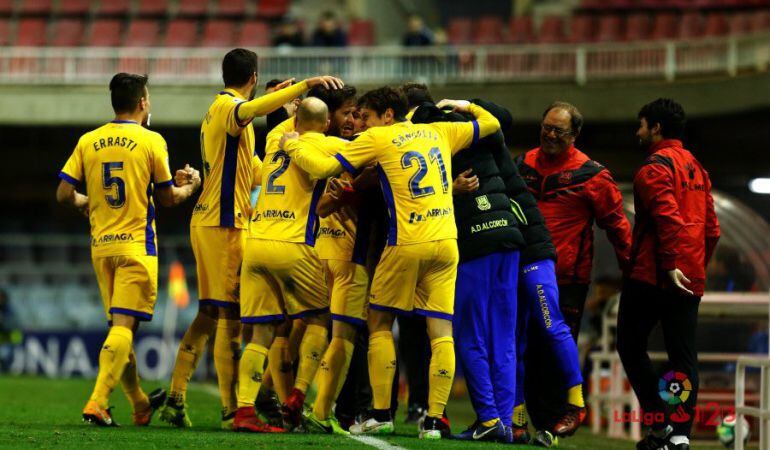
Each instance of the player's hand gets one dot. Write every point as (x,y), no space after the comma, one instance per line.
(283,84)
(291,107)
(678,280)
(367,178)
(292,135)
(327,81)
(465,183)
(456,105)
(183,176)
(334,188)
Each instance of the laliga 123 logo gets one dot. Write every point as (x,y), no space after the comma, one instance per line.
(674,388)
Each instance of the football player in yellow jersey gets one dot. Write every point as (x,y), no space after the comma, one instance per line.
(218,227)
(123,164)
(281,273)
(414,163)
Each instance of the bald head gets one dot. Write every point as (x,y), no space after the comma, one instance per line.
(312,115)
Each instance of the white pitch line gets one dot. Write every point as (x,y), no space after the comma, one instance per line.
(368,440)
(374,442)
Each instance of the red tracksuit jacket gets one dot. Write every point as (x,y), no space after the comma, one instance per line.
(676,225)
(572,191)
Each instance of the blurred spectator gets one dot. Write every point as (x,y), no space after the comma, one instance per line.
(329,33)
(417,35)
(604,297)
(729,272)
(10,334)
(288,34)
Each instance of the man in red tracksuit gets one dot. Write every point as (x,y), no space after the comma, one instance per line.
(675,233)
(572,192)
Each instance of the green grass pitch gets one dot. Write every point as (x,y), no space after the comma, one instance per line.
(45,413)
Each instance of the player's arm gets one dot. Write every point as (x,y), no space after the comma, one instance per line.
(256,172)
(70,176)
(464,134)
(331,200)
(170,194)
(67,194)
(260,106)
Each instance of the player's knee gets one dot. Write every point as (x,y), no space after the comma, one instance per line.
(344,331)
(208,310)
(438,328)
(126,321)
(260,333)
(321,320)
(380,320)
(228,313)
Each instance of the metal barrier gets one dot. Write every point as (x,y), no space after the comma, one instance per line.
(394,64)
(763,412)
(618,397)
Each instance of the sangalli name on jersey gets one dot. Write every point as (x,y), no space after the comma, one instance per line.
(117,141)
(402,139)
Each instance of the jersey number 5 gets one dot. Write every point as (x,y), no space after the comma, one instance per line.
(408,160)
(273,188)
(116,198)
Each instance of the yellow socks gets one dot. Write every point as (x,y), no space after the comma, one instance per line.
(190,350)
(130,382)
(520,415)
(311,350)
(331,375)
(490,423)
(442,373)
(227,348)
(112,360)
(279,364)
(250,371)
(382,367)
(575,396)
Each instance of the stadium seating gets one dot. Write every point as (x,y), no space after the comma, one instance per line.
(361,33)
(113,7)
(5,32)
(552,30)
(6,7)
(488,30)
(181,33)
(36,7)
(460,30)
(234,8)
(31,32)
(664,26)
(582,29)
(66,33)
(254,34)
(272,9)
(610,28)
(152,7)
(218,33)
(193,7)
(105,33)
(637,27)
(74,7)
(521,30)
(141,33)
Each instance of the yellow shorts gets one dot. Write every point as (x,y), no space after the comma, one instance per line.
(348,283)
(218,255)
(417,278)
(281,278)
(128,284)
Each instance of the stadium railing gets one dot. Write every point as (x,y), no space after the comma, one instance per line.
(394,64)
(616,397)
(762,413)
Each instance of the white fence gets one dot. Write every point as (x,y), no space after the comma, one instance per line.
(370,65)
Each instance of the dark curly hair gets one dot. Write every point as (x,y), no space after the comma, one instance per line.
(666,112)
(381,99)
(334,98)
(416,94)
(238,66)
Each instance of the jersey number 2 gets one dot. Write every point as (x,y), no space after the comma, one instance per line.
(116,198)
(407,161)
(273,188)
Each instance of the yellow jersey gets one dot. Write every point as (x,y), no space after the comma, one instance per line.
(415,167)
(120,162)
(285,210)
(227,150)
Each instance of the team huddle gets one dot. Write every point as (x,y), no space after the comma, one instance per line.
(368,208)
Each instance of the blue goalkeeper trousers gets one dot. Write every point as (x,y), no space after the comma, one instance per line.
(540,318)
(485,332)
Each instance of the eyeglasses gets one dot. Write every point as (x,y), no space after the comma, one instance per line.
(560,132)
